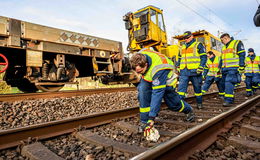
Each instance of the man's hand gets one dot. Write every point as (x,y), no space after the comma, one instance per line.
(241,69)
(199,70)
(148,128)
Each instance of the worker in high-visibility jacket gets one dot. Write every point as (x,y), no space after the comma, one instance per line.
(212,74)
(192,60)
(158,82)
(232,65)
(252,72)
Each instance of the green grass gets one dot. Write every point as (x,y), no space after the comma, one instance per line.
(84,83)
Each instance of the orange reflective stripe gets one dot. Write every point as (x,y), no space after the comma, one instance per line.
(163,58)
(145,79)
(213,65)
(228,50)
(189,50)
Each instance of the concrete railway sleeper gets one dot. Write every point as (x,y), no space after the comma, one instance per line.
(115,136)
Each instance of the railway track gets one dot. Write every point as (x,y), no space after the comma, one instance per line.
(30,96)
(111,134)
(26,96)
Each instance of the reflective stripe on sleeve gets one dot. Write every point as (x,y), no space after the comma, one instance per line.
(241,51)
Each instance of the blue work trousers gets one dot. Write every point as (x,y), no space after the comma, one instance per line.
(170,97)
(252,83)
(196,82)
(230,77)
(209,81)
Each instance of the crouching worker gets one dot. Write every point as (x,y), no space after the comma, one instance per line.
(157,82)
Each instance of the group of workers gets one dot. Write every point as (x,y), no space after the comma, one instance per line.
(194,64)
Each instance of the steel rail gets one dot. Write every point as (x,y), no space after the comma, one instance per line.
(22,96)
(13,137)
(199,137)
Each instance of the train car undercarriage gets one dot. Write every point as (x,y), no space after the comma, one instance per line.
(45,58)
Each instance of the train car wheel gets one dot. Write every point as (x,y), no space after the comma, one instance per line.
(4,63)
(49,88)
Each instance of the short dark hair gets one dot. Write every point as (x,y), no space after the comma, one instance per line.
(210,52)
(225,35)
(138,59)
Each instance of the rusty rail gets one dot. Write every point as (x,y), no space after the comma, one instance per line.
(13,137)
(22,96)
(194,139)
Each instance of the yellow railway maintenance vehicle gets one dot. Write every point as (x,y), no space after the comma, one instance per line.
(211,42)
(146,29)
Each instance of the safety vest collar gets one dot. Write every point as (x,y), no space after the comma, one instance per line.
(159,62)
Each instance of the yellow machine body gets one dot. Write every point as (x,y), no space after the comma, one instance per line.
(211,42)
(146,29)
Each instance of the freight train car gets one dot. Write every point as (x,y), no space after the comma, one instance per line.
(36,57)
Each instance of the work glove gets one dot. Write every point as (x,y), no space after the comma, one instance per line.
(199,70)
(241,69)
(203,77)
(219,75)
(178,69)
(148,128)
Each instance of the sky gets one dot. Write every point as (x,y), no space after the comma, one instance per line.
(103,18)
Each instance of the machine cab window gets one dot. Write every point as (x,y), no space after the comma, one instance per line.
(215,44)
(153,15)
(139,14)
(161,22)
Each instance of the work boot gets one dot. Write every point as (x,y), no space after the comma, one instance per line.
(199,106)
(227,104)
(221,97)
(249,94)
(141,127)
(190,117)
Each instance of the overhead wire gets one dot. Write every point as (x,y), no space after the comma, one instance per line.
(235,32)
(202,4)
(203,17)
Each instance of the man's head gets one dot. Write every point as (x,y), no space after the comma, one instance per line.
(210,54)
(250,51)
(187,36)
(225,38)
(139,63)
